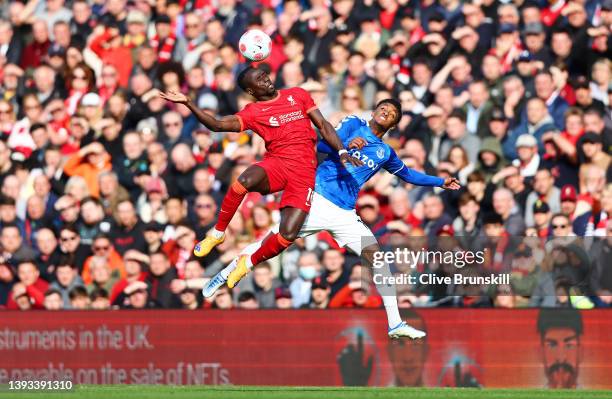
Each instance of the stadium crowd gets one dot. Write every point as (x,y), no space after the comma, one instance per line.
(105,187)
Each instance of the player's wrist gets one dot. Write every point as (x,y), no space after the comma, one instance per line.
(342,151)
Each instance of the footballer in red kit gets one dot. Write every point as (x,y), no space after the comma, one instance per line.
(283,118)
(290,161)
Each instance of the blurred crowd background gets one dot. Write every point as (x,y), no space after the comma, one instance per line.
(105,187)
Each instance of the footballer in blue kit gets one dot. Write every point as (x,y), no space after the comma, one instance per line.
(335,194)
(342,186)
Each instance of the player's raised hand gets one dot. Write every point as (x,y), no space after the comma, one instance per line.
(357,143)
(174,97)
(450,183)
(346,159)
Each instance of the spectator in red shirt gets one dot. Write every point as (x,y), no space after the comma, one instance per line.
(358,293)
(30,285)
(108,46)
(35,51)
(135,263)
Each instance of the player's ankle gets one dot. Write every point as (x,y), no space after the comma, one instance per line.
(217,234)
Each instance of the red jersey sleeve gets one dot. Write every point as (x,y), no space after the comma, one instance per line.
(245,117)
(304,97)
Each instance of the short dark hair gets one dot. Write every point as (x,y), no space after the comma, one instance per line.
(563,30)
(37,126)
(52,291)
(465,198)
(174,198)
(246,296)
(591,110)
(396,104)
(10,225)
(78,292)
(98,292)
(263,265)
(66,261)
(492,218)
(422,61)
(241,78)
(70,227)
(559,318)
(294,38)
(27,262)
(357,53)
(459,114)
(91,199)
(545,72)
(6,200)
(52,147)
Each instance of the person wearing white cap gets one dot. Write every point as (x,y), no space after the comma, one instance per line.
(208,101)
(91,106)
(91,100)
(528,159)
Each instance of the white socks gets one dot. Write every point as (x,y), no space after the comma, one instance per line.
(389,296)
(250,250)
(217,234)
(393,316)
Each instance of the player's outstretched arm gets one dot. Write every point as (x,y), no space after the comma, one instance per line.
(395,166)
(329,134)
(229,123)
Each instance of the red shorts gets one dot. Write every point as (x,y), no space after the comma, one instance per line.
(297,182)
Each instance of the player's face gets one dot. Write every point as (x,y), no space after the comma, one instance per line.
(260,84)
(561,357)
(385,115)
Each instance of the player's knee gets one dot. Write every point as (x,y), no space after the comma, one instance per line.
(247,182)
(289,234)
(369,251)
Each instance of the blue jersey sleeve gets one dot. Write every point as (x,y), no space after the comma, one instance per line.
(344,130)
(394,165)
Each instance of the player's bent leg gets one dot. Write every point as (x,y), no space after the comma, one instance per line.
(254,178)
(292,220)
(221,278)
(312,225)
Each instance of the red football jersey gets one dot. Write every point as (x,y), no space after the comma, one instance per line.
(284,125)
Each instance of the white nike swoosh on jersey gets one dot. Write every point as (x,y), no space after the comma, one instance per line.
(265,109)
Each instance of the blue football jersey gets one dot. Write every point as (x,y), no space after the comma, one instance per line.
(341,184)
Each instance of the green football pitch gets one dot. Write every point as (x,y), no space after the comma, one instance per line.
(238,392)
